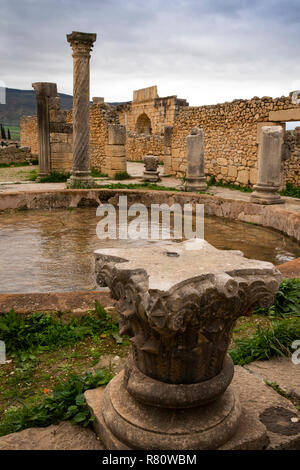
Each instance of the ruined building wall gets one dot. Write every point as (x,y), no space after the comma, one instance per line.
(231,135)
(29,134)
(101,115)
(138,145)
(292,157)
(145,118)
(61,137)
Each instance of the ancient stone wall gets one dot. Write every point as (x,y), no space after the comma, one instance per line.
(291,156)
(14,154)
(61,137)
(138,145)
(148,113)
(101,115)
(231,135)
(29,134)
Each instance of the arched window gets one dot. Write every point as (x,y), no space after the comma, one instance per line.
(143,124)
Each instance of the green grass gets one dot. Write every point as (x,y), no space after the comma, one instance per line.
(287,301)
(14,164)
(122,175)
(146,185)
(291,191)
(33,174)
(212,182)
(266,343)
(66,403)
(56,177)
(97,174)
(26,335)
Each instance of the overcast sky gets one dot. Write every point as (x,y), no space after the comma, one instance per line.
(206,51)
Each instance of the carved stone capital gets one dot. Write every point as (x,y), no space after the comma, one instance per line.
(179,313)
(81,43)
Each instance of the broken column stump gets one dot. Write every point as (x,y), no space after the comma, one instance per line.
(269,167)
(179,312)
(195,178)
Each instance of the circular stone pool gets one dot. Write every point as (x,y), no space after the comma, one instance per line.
(52,250)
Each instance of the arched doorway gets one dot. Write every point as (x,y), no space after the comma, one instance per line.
(143,124)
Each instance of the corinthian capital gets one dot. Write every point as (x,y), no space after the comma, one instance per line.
(81,43)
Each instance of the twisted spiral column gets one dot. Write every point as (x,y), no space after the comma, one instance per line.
(81,44)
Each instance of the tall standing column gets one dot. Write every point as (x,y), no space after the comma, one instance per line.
(269,167)
(44,91)
(81,44)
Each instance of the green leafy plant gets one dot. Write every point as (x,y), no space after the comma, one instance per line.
(66,403)
(286,302)
(267,342)
(33,174)
(97,174)
(291,191)
(122,175)
(25,335)
(55,177)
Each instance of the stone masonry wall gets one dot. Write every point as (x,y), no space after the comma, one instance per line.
(14,154)
(231,136)
(61,137)
(29,134)
(292,157)
(138,145)
(101,115)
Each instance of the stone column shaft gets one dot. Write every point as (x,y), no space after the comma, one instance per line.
(269,167)
(44,91)
(195,179)
(81,44)
(168,133)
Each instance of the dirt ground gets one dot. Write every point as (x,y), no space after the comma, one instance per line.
(20,173)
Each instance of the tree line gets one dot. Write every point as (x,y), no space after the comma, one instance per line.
(5,134)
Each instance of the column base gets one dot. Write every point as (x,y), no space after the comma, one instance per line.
(80,180)
(123,423)
(195,184)
(152,176)
(264,194)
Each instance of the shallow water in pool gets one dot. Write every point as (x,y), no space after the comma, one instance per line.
(48,251)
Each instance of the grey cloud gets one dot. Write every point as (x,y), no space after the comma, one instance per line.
(241,47)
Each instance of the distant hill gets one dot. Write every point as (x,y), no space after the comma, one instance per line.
(23,103)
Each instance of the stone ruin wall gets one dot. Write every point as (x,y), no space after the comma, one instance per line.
(292,158)
(29,134)
(138,145)
(61,137)
(232,135)
(14,154)
(160,111)
(101,115)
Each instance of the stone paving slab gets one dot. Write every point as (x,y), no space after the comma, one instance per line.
(63,436)
(278,414)
(281,370)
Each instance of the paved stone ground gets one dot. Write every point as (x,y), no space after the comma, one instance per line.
(20,173)
(281,371)
(63,436)
(136,170)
